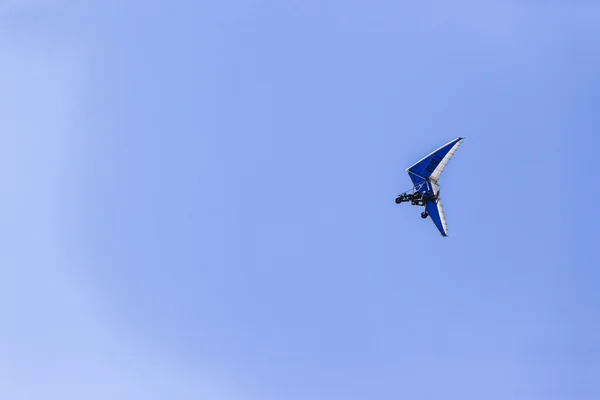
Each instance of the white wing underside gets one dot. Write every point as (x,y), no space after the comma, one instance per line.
(438,171)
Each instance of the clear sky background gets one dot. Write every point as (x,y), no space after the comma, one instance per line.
(197,200)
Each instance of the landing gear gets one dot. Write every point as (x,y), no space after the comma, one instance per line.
(424,214)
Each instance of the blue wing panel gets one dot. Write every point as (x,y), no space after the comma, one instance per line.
(423,186)
(434,214)
(416,179)
(423,168)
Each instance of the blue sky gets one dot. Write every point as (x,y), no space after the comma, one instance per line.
(198,200)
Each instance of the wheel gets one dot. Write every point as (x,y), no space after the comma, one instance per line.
(398,200)
(424,214)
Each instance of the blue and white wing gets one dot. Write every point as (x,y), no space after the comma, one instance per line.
(436,213)
(425,174)
(431,166)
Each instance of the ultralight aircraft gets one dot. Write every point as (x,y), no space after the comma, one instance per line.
(425,174)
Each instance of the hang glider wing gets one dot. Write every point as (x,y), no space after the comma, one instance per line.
(431,166)
(425,174)
(436,213)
